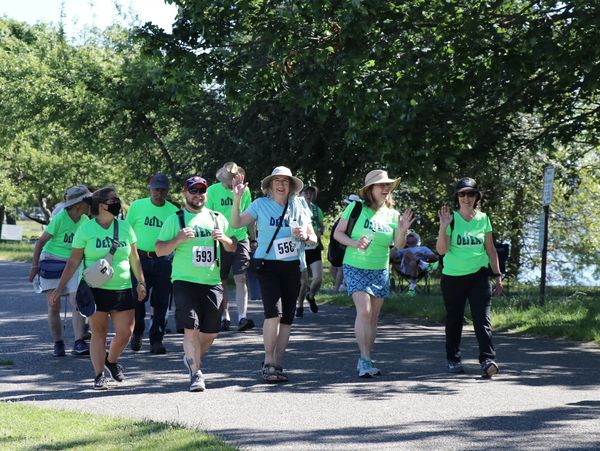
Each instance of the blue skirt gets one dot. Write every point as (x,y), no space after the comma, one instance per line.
(375,282)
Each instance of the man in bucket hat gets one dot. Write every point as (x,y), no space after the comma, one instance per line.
(146,217)
(220,198)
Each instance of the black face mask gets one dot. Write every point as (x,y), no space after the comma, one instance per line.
(114,209)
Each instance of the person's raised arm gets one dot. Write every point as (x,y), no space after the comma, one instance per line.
(404,223)
(443,241)
(238,219)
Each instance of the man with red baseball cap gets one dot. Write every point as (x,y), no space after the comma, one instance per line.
(193,235)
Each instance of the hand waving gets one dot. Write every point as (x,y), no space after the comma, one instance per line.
(446,217)
(406,220)
(238,185)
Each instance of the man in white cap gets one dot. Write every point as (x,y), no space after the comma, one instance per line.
(414,260)
(220,199)
(146,217)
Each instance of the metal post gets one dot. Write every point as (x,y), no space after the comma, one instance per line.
(544,255)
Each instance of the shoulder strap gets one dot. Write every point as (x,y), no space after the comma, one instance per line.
(354,214)
(181,217)
(213,215)
(278,227)
(115,242)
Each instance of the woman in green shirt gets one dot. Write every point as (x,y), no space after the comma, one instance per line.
(55,244)
(465,240)
(114,298)
(366,260)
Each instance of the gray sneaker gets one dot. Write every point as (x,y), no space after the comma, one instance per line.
(489,368)
(363,367)
(197,383)
(455,367)
(100,382)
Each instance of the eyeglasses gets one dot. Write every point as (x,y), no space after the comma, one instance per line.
(197,190)
(112,200)
(282,181)
(467,193)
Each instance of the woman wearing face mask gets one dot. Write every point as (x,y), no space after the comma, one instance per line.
(55,244)
(465,240)
(114,298)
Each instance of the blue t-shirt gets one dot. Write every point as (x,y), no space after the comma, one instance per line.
(266,212)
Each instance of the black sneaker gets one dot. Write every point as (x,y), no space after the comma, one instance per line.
(300,312)
(115,370)
(80,348)
(59,349)
(100,382)
(245,324)
(157,348)
(136,342)
(489,368)
(312,303)
(225,325)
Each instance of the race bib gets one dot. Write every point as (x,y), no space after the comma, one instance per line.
(285,248)
(203,255)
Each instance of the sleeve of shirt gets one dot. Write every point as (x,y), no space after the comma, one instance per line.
(168,231)
(130,217)
(252,209)
(52,227)
(347,211)
(79,239)
(488,224)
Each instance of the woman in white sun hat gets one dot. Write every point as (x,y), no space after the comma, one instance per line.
(284,226)
(366,261)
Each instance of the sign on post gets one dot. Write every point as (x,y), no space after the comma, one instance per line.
(548,185)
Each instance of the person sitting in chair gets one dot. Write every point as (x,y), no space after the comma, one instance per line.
(414,260)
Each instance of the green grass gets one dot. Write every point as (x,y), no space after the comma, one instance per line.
(569,312)
(16,251)
(25,427)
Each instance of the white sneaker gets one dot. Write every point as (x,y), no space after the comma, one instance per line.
(197,382)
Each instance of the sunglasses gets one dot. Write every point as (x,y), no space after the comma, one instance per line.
(197,190)
(467,194)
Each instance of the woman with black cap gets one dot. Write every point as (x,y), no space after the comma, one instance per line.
(465,240)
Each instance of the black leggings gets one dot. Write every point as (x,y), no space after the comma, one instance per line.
(280,279)
(455,291)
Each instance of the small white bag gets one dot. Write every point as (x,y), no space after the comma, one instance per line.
(102,271)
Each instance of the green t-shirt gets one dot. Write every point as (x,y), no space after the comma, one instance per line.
(194,259)
(467,254)
(62,228)
(219,198)
(382,224)
(146,219)
(96,241)
(317,217)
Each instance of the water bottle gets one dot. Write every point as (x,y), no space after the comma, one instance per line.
(37,286)
(294,224)
(369,235)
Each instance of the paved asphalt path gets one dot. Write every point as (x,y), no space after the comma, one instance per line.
(547,395)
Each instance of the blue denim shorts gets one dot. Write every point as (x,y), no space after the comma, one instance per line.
(375,282)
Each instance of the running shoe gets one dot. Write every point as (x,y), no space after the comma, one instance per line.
(100,382)
(245,324)
(373,370)
(225,324)
(114,369)
(80,347)
(312,303)
(197,383)
(59,349)
(455,367)
(300,312)
(489,368)
(158,348)
(362,367)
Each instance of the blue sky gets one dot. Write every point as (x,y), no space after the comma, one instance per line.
(85,13)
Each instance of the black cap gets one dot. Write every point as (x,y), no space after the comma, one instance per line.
(465,183)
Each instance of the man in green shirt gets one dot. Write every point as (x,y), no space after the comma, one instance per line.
(146,217)
(193,235)
(220,198)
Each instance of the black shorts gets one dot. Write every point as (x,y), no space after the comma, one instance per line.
(313,255)
(280,280)
(237,261)
(198,306)
(113,300)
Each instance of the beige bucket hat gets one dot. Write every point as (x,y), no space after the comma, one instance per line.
(282,171)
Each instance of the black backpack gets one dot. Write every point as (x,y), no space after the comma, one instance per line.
(336,250)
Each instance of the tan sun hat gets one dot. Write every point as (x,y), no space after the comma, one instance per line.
(228,172)
(282,171)
(378,176)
